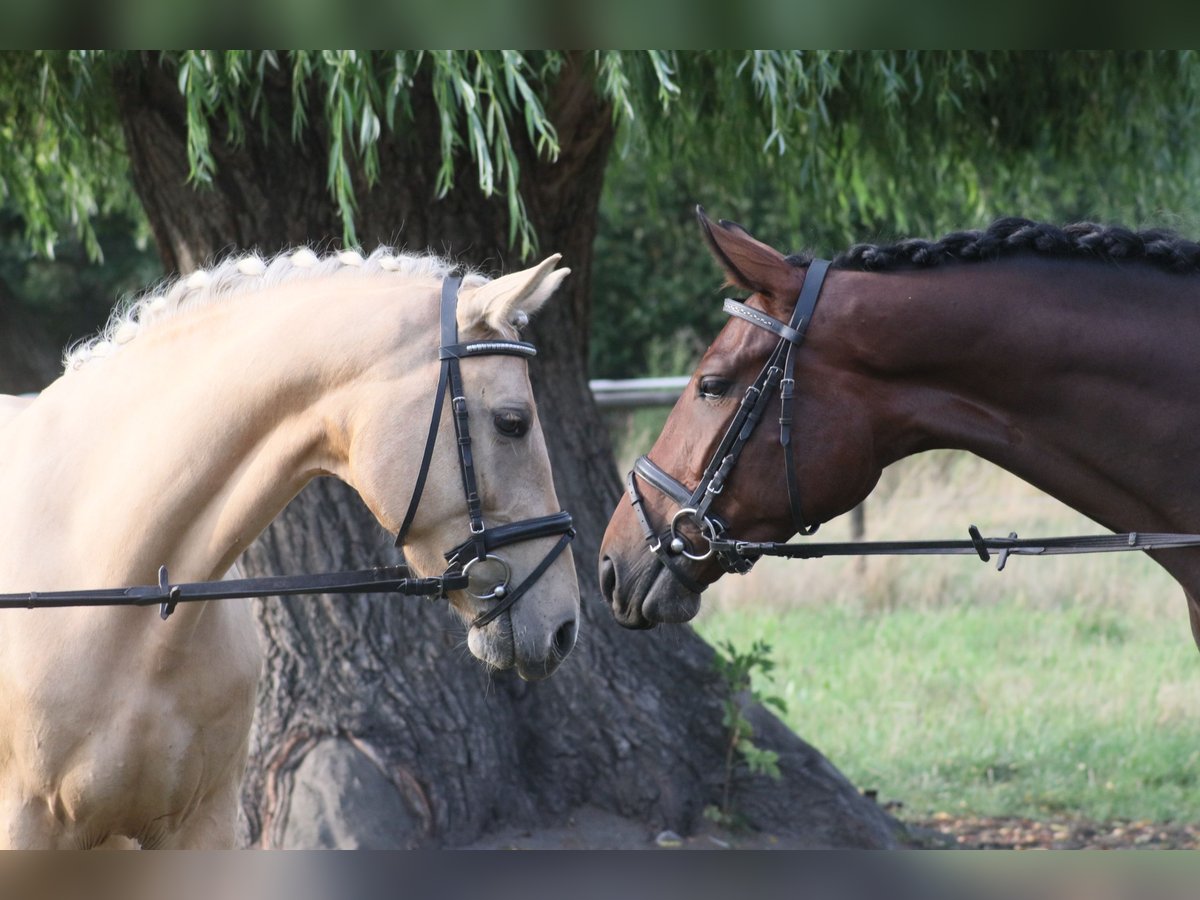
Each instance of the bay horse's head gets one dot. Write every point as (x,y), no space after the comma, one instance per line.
(482,503)
(764,384)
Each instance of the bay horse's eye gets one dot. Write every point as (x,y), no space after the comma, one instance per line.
(713,387)
(511,424)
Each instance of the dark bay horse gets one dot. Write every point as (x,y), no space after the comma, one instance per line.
(1068,356)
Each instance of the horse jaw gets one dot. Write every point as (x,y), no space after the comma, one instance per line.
(668,602)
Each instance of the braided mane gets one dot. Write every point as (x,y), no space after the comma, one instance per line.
(1015,236)
(237,276)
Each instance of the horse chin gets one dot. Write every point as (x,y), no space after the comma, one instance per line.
(669,602)
(493,644)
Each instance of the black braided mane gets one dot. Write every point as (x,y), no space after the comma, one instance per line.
(1014,236)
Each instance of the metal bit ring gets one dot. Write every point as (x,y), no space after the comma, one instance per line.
(499,588)
(679,546)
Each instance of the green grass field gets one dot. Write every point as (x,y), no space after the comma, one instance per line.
(1062,686)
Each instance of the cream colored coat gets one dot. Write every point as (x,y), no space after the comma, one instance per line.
(177,440)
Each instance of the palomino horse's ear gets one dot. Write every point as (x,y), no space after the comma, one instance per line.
(748,262)
(511,299)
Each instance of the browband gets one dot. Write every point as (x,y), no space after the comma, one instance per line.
(487,348)
(762,320)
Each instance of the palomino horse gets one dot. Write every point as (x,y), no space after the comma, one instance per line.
(175,439)
(1068,356)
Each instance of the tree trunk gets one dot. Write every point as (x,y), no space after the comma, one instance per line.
(375,728)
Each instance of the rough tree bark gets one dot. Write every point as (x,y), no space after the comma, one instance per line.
(375,727)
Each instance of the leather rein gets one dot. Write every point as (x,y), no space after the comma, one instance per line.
(734,556)
(475,551)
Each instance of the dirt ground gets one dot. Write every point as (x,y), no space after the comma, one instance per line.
(593,829)
(974,833)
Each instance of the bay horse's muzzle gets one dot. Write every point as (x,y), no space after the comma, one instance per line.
(642,596)
(645,589)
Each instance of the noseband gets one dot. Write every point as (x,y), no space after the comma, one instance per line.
(694,505)
(476,551)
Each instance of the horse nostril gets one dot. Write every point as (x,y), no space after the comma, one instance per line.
(608,579)
(564,639)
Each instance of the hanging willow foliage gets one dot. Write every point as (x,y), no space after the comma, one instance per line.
(862,140)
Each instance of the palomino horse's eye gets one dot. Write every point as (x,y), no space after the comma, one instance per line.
(713,387)
(511,424)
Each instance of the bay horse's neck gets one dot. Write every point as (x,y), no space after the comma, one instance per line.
(1079,377)
(183,445)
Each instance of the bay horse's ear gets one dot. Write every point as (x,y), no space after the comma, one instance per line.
(747,261)
(510,299)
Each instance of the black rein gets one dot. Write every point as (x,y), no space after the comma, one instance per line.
(380,580)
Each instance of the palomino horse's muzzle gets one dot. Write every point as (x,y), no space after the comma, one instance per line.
(668,544)
(487,575)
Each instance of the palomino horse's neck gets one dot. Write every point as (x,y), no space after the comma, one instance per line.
(1068,374)
(180,447)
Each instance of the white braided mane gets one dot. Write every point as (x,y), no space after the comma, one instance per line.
(241,275)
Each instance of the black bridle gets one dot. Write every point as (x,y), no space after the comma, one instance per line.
(694,505)
(738,556)
(475,551)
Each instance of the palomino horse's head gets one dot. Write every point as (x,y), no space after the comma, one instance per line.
(507,453)
(829,444)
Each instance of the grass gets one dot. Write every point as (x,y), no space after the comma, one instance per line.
(1062,686)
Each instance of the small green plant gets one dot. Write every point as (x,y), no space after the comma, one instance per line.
(737,670)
